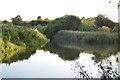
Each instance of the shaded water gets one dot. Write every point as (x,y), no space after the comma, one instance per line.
(63,61)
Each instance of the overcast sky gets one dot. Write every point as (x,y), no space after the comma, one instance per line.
(31,9)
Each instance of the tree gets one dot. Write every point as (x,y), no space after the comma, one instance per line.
(70,22)
(67,22)
(47,19)
(89,22)
(103,20)
(5,22)
(17,20)
(39,18)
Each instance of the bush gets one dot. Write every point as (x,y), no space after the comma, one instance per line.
(23,36)
(40,28)
(104,28)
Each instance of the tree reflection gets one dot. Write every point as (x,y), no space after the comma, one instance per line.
(106,71)
(62,52)
(68,52)
(100,52)
(18,56)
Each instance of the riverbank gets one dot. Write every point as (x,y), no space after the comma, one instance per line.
(16,39)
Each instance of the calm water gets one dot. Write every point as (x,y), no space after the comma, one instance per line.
(63,61)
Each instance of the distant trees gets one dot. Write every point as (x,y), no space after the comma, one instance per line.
(103,20)
(46,19)
(17,20)
(38,22)
(67,22)
(39,18)
(5,22)
(70,22)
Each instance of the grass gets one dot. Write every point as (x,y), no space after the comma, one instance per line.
(16,38)
(65,36)
(23,36)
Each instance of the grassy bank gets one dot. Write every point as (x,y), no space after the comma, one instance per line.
(78,37)
(16,39)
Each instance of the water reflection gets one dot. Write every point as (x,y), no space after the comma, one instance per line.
(63,52)
(68,52)
(86,68)
(105,59)
(71,51)
(88,61)
(18,56)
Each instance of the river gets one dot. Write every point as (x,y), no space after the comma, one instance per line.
(64,61)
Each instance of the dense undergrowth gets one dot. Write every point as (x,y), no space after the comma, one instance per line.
(18,39)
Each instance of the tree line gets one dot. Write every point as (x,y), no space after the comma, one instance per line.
(18,21)
(69,22)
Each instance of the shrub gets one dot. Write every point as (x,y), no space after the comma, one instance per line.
(104,28)
(23,36)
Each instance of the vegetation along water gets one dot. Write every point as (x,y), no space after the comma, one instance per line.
(67,36)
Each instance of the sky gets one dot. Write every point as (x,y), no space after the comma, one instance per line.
(31,9)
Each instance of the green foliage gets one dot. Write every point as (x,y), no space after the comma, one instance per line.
(38,22)
(23,36)
(47,19)
(89,22)
(5,22)
(88,25)
(87,37)
(17,39)
(103,20)
(67,22)
(116,28)
(39,18)
(8,46)
(104,29)
(87,28)
(40,28)
(8,49)
(17,20)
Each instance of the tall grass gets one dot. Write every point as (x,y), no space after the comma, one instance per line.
(86,37)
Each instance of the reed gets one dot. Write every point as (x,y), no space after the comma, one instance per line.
(86,37)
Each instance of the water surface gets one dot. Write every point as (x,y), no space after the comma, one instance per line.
(63,61)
